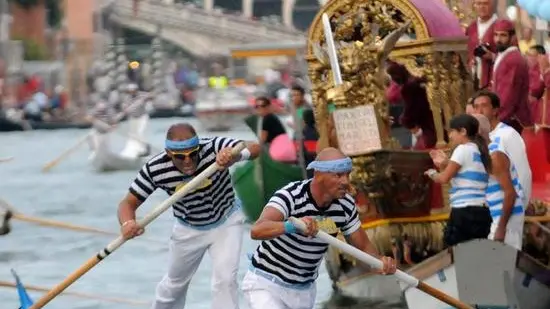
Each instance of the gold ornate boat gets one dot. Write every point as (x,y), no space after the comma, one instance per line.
(402,211)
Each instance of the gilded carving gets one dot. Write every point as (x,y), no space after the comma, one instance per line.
(444,86)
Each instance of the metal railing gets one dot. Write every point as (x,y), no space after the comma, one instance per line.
(213,24)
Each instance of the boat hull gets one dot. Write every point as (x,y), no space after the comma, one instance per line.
(103,159)
(483,273)
(256,181)
(221,119)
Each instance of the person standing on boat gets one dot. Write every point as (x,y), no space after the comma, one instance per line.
(285,265)
(207,219)
(218,80)
(468,173)
(481,44)
(271,125)
(416,115)
(488,104)
(511,78)
(506,194)
(135,105)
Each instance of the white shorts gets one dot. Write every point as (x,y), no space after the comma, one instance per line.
(261,293)
(514,231)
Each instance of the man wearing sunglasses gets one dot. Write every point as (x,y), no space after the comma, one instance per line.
(208,219)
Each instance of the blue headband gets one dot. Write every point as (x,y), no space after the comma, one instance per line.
(182,145)
(332,166)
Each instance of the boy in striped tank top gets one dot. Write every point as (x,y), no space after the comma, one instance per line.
(467,172)
(505,198)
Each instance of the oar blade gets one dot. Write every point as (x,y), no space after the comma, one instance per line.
(24,298)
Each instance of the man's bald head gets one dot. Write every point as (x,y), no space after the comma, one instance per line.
(484,126)
(329,153)
(180,132)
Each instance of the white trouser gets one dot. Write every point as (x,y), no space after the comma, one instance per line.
(187,248)
(260,293)
(514,231)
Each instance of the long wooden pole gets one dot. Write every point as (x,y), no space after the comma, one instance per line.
(376,263)
(63,225)
(35,288)
(119,241)
(6,159)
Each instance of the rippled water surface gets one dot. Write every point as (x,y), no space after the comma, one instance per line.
(73,193)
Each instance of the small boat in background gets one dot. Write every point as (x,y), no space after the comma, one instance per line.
(221,110)
(104,159)
(256,181)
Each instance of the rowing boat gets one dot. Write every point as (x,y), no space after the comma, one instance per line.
(256,181)
(221,110)
(483,273)
(104,159)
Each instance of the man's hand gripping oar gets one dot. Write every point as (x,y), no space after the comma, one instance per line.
(376,263)
(119,241)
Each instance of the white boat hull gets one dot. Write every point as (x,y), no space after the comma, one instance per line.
(103,159)
(137,127)
(221,120)
(484,273)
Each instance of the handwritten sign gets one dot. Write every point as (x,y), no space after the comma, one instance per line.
(357,130)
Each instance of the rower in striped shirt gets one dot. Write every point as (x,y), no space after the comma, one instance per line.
(207,219)
(285,265)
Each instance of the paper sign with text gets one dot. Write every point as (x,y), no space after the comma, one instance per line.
(357,130)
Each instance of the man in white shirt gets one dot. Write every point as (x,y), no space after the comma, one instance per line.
(488,104)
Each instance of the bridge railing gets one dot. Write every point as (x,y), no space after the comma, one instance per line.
(221,25)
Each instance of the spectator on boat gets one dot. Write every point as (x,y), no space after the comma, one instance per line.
(481,44)
(536,81)
(58,101)
(542,112)
(527,40)
(310,136)
(504,193)
(271,125)
(285,264)
(468,173)
(207,219)
(488,104)
(298,98)
(417,115)
(218,80)
(511,78)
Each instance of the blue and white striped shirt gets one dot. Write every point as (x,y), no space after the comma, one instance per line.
(469,185)
(495,194)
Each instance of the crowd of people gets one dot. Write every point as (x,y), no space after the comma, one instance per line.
(33,101)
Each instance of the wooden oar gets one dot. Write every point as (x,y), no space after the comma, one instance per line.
(119,241)
(48,166)
(542,227)
(7,284)
(376,263)
(58,224)
(6,159)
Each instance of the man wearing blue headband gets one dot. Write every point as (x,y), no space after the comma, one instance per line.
(207,219)
(285,265)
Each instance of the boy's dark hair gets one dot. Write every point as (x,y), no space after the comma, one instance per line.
(539,49)
(266,101)
(298,88)
(493,97)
